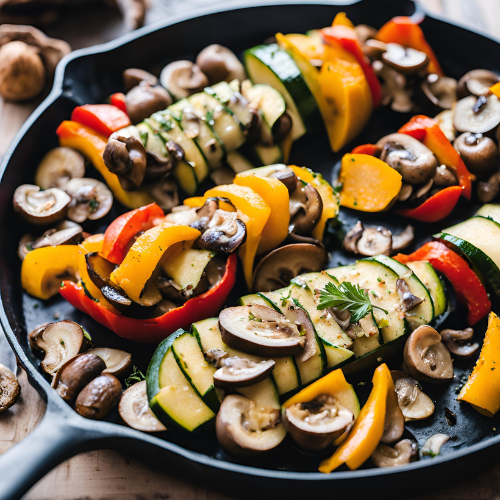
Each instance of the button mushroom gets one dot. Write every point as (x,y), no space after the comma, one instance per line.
(144,100)
(58,166)
(374,48)
(75,374)
(480,115)
(403,239)
(488,190)
(480,154)
(220,64)
(432,446)
(59,341)
(183,78)
(314,425)
(408,300)
(306,207)
(408,156)
(118,362)
(476,82)
(91,199)
(98,397)
(135,411)
(350,242)
(225,232)
(9,388)
(244,429)
(445,177)
(287,177)
(260,330)
(438,92)
(395,89)
(459,342)
(426,357)
(300,317)
(40,207)
(134,76)
(240,372)
(445,122)
(394,422)
(405,60)
(278,267)
(414,404)
(400,454)
(375,241)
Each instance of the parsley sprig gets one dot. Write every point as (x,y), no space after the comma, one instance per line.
(349,297)
(136,376)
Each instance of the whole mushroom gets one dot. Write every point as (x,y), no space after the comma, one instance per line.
(183,78)
(9,388)
(479,153)
(220,64)
(134,76)
(144,100)
(476,82)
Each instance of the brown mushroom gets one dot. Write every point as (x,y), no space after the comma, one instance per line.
(445,177)
(220,64)
(405,60)
(459,342)
(301,318)
(59,341)
(41,207)
(426,357)
(75,374)
(415,162)
(405,192)
(445,122)
(306,207)
(241,372)
(414,404)
(364,32)
(408,300)
(479,153)
(395,90)
(433,444)
(144,99)
(287,177)
(399,454)
(243,428)
(98,397)
(135,411)
(183,78)
(394,422)
(488,190)
(134,76)
(225,232)
(476,82)
(58,166)
(91,199)
(375,241)
(9,388)
(403,239)
(118,362)
(166,193)
(278,267)
(479,115)
(374,49)
(51,237)
(438,92)
(350,242)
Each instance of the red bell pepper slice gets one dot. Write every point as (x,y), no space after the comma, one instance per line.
(468,287)
(103,118)
(367,149)
(346,37)
(406,32)
(427,131)
(118,100)
(435,208)
(154,330)
(122,230)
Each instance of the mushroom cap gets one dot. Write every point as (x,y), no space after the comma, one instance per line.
(306,208)
(350,242)
(53,238)
(476,82)
(220,64)
(225,232)
(58,166)
(488,190)
(166,193)
(404,60)
(241,372)
(394,423)
(287,177)
(242,429)
(400,454)
(301,318)
(98,397)
(439,92)
(479,153)
(183,78)
(118,362)
(91,199)
(426,357)
(445,122)
(135,411)
(404,238)
(41,207)
(143,100)
(375,241)
(479,115)
(278,267)
(414,404)
(134,76)
(9,388)
(459,342)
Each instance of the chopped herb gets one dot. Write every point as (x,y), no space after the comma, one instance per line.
(94,204)
(383,323)
(379,279)
(137,376)
(36,306)
(29,246)
(285,299)
(374,294)
(338,189)
(209,118)
(355,202)
(62,342)
(144,138)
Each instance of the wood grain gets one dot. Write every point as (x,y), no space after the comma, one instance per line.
(105,474)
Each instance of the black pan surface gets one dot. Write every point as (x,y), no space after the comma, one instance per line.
(89,76)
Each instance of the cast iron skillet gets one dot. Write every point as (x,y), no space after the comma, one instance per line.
(90,75)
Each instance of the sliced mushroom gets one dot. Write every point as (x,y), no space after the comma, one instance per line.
(350,242)
(59,341)
(432,446)
(216,357)
(343,318)
(408,300)
(69,236)
(314,425)
(225,232)
(414,404)
(394,422)
(282,127)
(426,357)
(405,192)
(220,64)
(476,82)
(91,199)
(135,411)
(9,388)
(241,372)
(439,92)
(488,190)
(58,166)
(415,162)
(166,193)
(260,330)
(118,362)
(445,177)
(301,318)
(126,157)
(144,100)
(306,207)
(404,238)
(134,76)
(98,397)
(374,48)
(41,207)
(243,429)
(75,374)
(183,78)
(278,267)
(394,88)
(400,454)
(459,342)
(480,154)
(445,122)
(404,59)
(364,32)
(375,241)
(287,177)
(479,115)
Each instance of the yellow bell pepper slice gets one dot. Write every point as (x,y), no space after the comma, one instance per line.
(93,243)
(368,428)
(495,89)
(311,47)
(199,201)
(91,144)
(328,197)
(342,19)
(482,390)
(276,195)
(145,254)
(43,269)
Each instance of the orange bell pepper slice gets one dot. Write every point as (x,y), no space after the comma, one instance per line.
(406,32)
(341,19)
(495,89)
(103,118)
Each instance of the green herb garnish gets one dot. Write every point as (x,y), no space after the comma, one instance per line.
(94,204)
(137,376)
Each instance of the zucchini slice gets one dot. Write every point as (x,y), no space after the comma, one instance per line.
(263,394)
(491,210)
(152,141)
(238,162)
(186,177)
(232,100)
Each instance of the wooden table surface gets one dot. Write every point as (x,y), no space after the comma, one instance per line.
(105,474)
